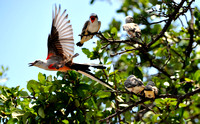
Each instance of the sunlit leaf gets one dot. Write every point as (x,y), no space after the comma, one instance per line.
(41,78)
(33,86)
(114,31)
(86,51)
(17,113)
(103,94)
(65,121)
(197,75)
(182,105)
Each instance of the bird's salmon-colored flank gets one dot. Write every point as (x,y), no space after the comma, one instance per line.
(49,55)
(64,68)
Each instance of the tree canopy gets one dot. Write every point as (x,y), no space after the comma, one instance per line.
(167,53)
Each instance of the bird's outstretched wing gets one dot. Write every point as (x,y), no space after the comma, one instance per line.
(60,40)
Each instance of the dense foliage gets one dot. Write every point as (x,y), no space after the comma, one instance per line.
(167,53)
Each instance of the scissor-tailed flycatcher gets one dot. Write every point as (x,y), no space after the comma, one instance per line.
(90,26)
(150,90)
(134,84)
(61,49)
(131,28)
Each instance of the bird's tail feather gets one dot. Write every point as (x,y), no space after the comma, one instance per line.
(93,77)
(77,66)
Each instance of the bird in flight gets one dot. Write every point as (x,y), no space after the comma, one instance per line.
(91,26)
(61,49)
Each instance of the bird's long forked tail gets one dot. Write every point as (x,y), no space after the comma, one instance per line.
(93,77)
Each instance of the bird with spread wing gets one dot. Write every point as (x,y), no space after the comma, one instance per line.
(61,49)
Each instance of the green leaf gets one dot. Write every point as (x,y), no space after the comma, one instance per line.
(103,94)
(154,118)
(77,103)
(137,72)
(187,79)
(197,75)
(158,102)
(4,98)
(41,112)
(153,2)
(23,93)
(93,103)
(49,78)
(2,67)
(114,31)
(33,86)
(182,105)
(105,59)
(92,1)
(41,78)
(17,113)
(65,121)
(25,117)
(12,121)
(109,63)
(87,52)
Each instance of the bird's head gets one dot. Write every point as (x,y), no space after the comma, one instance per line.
(151,83)
(129,19)
(38,63)
(93,17)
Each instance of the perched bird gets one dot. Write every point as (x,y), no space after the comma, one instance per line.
(90,26)
(131,28)
(61,49)
(134,84)
(150,90)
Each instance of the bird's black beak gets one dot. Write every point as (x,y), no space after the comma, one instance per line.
(31,64)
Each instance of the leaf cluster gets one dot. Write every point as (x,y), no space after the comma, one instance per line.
(167,54)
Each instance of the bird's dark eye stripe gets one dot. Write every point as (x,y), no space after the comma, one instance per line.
(36,61)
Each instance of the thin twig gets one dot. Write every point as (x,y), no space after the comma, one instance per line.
(112,55)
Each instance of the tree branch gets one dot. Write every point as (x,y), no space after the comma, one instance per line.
(171,18)
(179,98)
(191,41)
